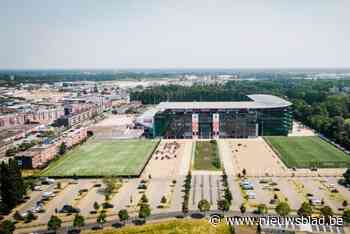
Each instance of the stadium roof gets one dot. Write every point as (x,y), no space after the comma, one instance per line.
(259,101)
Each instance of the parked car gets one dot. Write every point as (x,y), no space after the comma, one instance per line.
(251,195)
(37,188)
(315,201)
(247,187)
(69,209)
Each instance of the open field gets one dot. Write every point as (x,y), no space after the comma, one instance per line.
(206,156)
(305,152)
(116,127)
(255,156)
(103,158)
(170,159)
(183,227)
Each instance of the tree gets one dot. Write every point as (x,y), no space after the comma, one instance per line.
(326,212)
(101,219)
(305,210)
(110,185)
(144,211)
(7,227)
(163,200)
(79,221)
(185,207)
(62,148)
(223,205)
(203,206)
(12,185)
(96,206)
(59,185)
(282,209)
(242,208)
(54,223)
(346,216)
(244,172)
(29,217)
(261,209)
(228,195)
(19,182)
(144,198)
(123,215)
(347,176)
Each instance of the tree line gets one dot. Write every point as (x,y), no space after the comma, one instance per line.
(314,102)
(12,186)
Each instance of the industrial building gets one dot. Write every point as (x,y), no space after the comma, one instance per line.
(260,115)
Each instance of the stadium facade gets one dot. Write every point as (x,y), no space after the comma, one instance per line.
(262,115)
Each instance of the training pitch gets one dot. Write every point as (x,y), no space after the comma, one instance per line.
(103,158)
(309,151)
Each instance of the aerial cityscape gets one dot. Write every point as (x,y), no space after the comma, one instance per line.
(131,117)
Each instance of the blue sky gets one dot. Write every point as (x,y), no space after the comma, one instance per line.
(174,34)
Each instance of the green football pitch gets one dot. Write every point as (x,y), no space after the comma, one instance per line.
(310,151)
(103,158)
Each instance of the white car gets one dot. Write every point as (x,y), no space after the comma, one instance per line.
(48,194)
(37,188)
(251,195)
(316,201)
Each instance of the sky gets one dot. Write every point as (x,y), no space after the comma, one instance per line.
(99,34)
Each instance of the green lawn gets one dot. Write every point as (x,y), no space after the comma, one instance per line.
(206,156)
(305,152)
(103,158)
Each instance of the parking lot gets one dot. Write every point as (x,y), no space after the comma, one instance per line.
(295,191)
(205,186)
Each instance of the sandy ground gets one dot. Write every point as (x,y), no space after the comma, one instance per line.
(116,120)
(301,130)
(116,127)
(41,94)
(256,157)
(171,159)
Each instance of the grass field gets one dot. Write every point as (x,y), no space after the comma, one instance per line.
(175,227)
(103,158)
(305,152)
(206,156)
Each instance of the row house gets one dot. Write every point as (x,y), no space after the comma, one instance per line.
(10,120)
(41,116)
(76,118)
(39,156)
(44,116)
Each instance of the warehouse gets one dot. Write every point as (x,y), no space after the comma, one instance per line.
(260,115)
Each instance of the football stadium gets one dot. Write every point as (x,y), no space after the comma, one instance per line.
(258,115)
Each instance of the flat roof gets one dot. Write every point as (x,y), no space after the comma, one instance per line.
(259,101)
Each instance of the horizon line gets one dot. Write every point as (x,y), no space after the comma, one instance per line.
(170,68)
